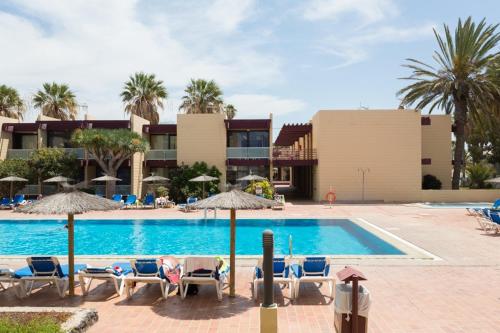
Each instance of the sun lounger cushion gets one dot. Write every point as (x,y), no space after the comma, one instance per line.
(125,269)
(64,271)
(312,266)
(280,269)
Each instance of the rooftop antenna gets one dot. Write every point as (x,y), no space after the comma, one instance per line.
(84,108)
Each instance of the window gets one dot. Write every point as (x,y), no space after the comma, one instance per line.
(24,141)
(163,141)
(58,140)
(159,171)
(238,139)
(234,172)
(258,139)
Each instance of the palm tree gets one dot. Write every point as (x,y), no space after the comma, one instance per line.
(202,97)
(143,95)
(56,101)
(460,84)
(11,104)
(230,111)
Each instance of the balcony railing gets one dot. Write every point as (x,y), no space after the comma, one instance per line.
(22,154)
(247,152)
(286,153)
(25,154)
(162,155)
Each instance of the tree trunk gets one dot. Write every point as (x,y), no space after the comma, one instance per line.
(111,186)
(458,156)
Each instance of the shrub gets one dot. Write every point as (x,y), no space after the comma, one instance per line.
(267,188)
(478,173)
(430,182)
(161,191)
(14,167)
(181,187)
(51,162)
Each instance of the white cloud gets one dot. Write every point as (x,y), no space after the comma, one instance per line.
(260,106)
(354,49)
(94,46)
(369,11)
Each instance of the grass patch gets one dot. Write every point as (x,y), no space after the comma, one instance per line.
(30,322)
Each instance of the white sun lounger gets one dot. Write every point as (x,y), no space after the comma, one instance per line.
(202,271)
(281,275)
(45,270)
(8,280)
(147,271)
(313,270)
(89,274)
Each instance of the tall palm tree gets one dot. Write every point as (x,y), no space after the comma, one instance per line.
(461,83)
(230,111)
(143,95)
(202,96)
(57,101)
(11,104)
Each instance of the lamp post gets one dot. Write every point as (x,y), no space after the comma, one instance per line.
(268,309)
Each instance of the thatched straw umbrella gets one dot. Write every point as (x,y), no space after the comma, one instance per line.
(70,202)
(493,180)
(233,200)
(252,178)
(106,179)
(12,179)
(155,179)
(58,179)
(203,178)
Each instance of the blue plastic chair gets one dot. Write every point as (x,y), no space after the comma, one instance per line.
(496,204)
(147,271)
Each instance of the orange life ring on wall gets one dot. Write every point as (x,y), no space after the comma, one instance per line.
(331,196)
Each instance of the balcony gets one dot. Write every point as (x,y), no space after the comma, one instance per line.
(20,154)
(286,156)
(161,155)
(25,154)
(247,152)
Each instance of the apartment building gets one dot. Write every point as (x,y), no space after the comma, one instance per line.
(376,155)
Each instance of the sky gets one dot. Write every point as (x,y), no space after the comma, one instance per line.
(289,58)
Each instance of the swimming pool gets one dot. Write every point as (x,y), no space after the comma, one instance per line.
(189,236)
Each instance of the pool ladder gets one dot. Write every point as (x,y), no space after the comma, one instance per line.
(290,246)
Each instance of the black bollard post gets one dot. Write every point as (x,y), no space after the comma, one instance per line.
(268,309)
(267,267)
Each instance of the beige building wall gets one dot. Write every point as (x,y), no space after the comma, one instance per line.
(202,137)
(387,142)
(137,160)
(436,145)
(5,137)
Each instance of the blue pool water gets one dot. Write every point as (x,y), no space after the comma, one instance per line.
(176,237)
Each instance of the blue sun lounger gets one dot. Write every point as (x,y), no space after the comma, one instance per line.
(45,270)
(313,270)
(146,271)
(117,197)
(131,200)
(186,207)
(149,200)
(111,273)
(281,273)
(18,199)
(5,203)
